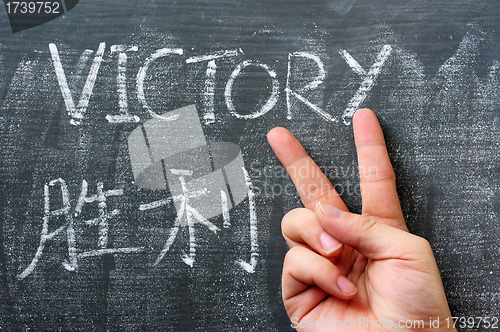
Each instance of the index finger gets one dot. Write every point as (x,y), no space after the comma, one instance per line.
(312,185)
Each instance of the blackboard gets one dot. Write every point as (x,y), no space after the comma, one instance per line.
(98,234)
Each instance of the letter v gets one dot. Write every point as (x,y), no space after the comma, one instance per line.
(76,113)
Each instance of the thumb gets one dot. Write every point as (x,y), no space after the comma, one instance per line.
(372,239)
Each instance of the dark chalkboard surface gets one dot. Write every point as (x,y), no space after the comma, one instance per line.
(137,189)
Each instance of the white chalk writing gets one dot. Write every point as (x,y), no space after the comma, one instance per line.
(101,221)
(318,80)
(368,80)
(78,112)
(299,93)
(121,82)
(273,99)
(142,75)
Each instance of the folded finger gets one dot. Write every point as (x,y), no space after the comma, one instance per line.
(301,226)
(304,268)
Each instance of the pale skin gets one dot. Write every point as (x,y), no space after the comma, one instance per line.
(343,265)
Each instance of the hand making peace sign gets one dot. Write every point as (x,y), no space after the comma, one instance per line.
(344,266)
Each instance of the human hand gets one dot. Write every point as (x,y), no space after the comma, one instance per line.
(344,266)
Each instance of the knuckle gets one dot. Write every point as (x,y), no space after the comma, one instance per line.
(374,174)
(293,255)
(315,192)
(365,225)
(424,244)
(291,215)
(297,221)
(322,266)
(287,222)
(310,228)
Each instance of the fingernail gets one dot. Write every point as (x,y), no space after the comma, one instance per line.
(346,287)
(329,243)
(331,211)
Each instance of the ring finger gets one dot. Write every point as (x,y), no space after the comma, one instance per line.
(301,226)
